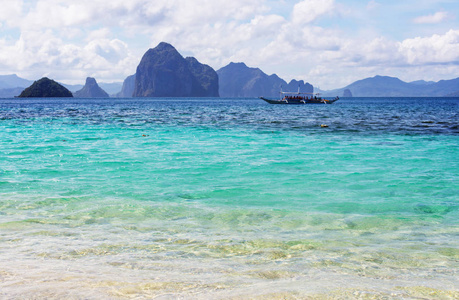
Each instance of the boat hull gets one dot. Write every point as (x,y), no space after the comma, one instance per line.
(299,101)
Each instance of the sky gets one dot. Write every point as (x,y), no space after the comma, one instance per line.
(328,43)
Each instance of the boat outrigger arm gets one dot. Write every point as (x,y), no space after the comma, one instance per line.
(300,98)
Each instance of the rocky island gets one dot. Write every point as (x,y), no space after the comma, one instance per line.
(347,93)
(91,90)
(238,80)
(163,72)
(45,87)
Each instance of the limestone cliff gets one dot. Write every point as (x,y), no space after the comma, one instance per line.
(238,80)
(128,87)
(206,76)
(91,90)
(163,72)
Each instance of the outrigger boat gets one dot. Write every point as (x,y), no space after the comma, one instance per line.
(300,98)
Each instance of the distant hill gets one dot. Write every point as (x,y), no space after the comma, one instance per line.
(12,85)
(73,87)
(91,90)
(13,81)
(455,94)
(385,86)
(238,80)
(422,82)
(127,90)
(110,88)
(10,93)
(163,72)
(45,87)
(444,87)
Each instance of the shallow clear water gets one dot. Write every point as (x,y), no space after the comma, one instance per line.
(226,198)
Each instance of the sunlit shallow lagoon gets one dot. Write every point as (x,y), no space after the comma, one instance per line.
(226,198)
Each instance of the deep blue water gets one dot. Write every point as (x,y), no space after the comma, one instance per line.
(360,115)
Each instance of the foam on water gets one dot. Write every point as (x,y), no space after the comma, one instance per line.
(228,198)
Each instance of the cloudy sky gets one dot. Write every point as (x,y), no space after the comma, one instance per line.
(329,43)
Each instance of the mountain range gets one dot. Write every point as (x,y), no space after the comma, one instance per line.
(385,86)
(163,72)
(238,80)
(256,83)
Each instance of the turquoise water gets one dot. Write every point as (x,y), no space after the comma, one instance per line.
(225,198)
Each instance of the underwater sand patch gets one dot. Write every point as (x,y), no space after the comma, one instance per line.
(422,292)
(272,274)
(274,296)
(172,289)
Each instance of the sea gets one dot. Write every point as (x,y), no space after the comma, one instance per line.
(214,198)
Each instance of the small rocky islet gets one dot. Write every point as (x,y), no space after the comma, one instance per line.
(46,87)
(91,90)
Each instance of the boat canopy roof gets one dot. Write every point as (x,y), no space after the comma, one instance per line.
(298,93)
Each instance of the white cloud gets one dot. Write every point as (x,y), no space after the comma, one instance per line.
(436,18)
(37,54)
(308,11)
(11,11)
(135,13)
(368,53)
(101,33)
(56,14)
(111,51)
(437,49)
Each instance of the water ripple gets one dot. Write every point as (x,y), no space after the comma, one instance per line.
(352,115)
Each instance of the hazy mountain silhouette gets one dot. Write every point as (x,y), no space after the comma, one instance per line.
(127,90)
(238,80)
(10,93)
(13,81)
(91,90)
(385,86)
